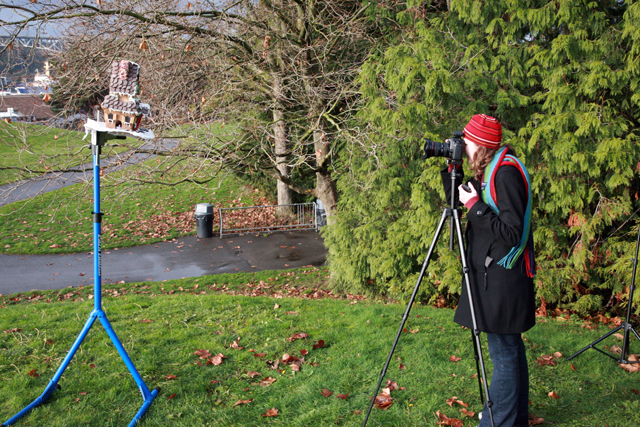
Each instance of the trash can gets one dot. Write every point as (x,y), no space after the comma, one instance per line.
(204,219)
(320,214)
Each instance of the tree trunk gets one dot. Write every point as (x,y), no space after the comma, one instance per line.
(325,186)
(280,135)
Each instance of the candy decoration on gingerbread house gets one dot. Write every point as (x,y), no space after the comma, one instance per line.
(122,108)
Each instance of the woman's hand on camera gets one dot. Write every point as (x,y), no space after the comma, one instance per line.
(465,196)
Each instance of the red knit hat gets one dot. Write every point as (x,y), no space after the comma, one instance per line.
(484,130)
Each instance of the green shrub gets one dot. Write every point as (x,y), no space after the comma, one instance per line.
(562,78)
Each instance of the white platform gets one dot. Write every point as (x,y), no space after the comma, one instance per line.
(102,127)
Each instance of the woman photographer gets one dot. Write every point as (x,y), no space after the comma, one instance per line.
(501,264)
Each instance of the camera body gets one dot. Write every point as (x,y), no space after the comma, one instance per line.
(452,149)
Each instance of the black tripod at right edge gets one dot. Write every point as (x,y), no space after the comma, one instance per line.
(626,325)
(454,213)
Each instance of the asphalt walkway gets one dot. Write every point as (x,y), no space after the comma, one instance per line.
(187,257)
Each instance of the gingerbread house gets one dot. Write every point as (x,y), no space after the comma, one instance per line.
(122,108)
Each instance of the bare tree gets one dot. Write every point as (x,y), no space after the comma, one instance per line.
(257,86)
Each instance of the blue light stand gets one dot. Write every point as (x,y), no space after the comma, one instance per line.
(98,139)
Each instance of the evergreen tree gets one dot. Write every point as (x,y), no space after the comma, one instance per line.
(562,77)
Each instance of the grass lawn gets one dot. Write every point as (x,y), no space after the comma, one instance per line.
(61,221)
(165,326)
(43,148)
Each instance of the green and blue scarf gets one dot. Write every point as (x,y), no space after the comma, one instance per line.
(489,197)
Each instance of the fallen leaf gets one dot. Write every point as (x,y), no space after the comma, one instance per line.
(631,367)
(276,306)
(288,359)
(253,374)
(261,355)
(204,354)
(236,345)
(454,359)
(242,402)
(6,331)
(557,355)
(266,381)
(326,392)
(319,344)
(467,413)
(446,421)
(298,336)
(33,373)
(619,336)
(384,400)
(145,321)
(216,360)
(392,385)
(554,395)
(83,393)
(546,360)
(171,377)
(304,352)
(343,396)
(273,412)
(171,397)
(534,421)
(455,399)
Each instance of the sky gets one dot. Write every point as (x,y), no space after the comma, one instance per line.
(8,15)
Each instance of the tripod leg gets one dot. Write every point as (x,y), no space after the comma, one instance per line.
(476,331)
(406,312)
(477,357)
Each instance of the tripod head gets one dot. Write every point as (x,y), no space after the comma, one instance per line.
(453,211)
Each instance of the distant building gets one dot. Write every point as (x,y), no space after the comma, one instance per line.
(5,83)
(30,108)
(122,108)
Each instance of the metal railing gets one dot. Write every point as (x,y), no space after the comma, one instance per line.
(299,216)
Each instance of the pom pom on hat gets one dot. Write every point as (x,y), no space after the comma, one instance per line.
(484,130)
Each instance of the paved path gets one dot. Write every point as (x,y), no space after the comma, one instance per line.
(186,257)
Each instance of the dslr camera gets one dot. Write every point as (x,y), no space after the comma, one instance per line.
(452,149)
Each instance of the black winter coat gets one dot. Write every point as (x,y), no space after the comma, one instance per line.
(504,298)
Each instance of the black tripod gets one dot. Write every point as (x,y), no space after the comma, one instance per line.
(454,214)
(626,325)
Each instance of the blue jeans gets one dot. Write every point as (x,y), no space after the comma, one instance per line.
(509,389)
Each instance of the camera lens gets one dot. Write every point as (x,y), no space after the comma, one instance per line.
(435,149)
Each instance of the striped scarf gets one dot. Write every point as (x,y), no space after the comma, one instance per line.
(489,197)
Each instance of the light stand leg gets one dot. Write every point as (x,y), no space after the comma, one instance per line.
(97,140)
(53,383)
(626,325)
